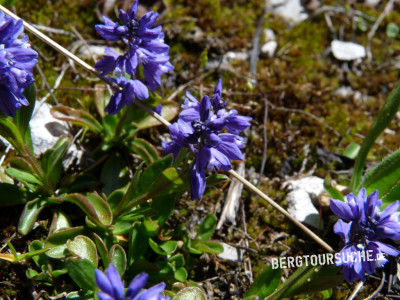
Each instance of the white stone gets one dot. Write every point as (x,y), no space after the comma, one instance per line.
(301,208)
(269,48)
(230,56)
(344,92)
(45,129)
(372,3)
(269,35)
(299,200)
(231,253)
(311,184)
(347,51)
(291,10)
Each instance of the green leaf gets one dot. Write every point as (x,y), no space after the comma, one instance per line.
(181,274)
(39,260)
(385,177)
(177,261)
(308,279)
(138,242)
(168,182)
(206,228)
(95,207)
(24,177)
(101,247)
(114,174)
(10,132)
(82,272)
(352,150)
(209,247)
(165,272)
(29,215)
(392,30)
(203,58)
(145,150)
(216,179)
(60,221)
(151,173)
(129,194)
(110,125)
(12,195)
(76,117)
(58,241)
(190,293)
(118,258)
(81,295)
(143,120)
(382,120)
(165,248)
(52,160)
(24,114)
(83,247)
(164,205)
(265,283)
(334,193)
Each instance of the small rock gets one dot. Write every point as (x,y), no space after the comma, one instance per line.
(344,92)
(372,3)
(45,129)
(269,35)
(291,10)
(300,199)
(347,51)
(45,132)
(227,60)
(231,56)
(301,208)
(269,48)
(311,184)
(231,253)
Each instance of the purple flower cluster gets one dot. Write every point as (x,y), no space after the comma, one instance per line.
(146,49)
(366,226)
(112,288)
(17,60)
(198,128)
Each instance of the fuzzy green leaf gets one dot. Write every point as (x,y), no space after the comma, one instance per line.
(118,258)
(265,284)
(82,272)
(29,215)
(83,247)
(381,121)
(385,177)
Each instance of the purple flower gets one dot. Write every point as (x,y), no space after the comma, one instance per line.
(199,129)
(131,89)
(146,47)
(366,226)
(233,122)
(112,288)
(17,60)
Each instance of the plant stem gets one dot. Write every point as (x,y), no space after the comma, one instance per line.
(282,210)
(90,69)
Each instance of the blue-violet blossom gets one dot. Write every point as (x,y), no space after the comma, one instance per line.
(199,128)
(112,288)
(146,48)
(366,226)
(17,60)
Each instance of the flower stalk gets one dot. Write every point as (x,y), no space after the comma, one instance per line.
(163,121)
